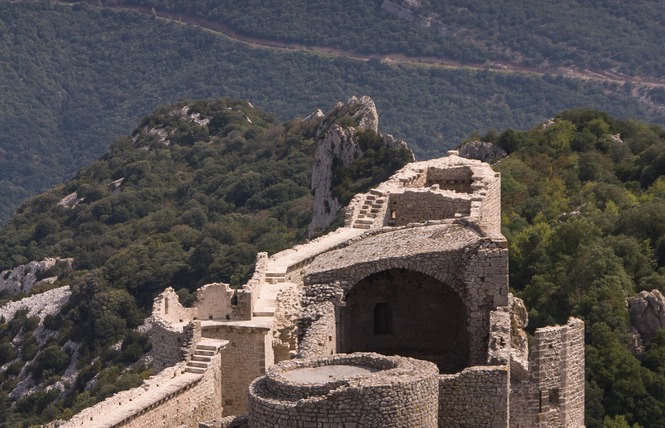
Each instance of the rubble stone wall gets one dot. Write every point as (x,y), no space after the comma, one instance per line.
(400,393)
(558,370)
(476,397)
(420,205)
(199,401)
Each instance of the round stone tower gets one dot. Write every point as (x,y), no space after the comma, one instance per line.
(346,390)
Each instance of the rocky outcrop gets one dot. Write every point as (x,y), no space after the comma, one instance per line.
(336,144)
(647,313)
(482,150)
(40,305)
(23,278)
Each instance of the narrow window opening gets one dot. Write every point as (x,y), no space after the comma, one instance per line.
(554,396)
(383,318)
(234,299)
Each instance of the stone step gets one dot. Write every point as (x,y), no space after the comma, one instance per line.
(364,221)
(204,347)
(202,352)
(203,358)
(263,313)
(195,370)
(197,364)
(362,226)
(370,197)
(375,192)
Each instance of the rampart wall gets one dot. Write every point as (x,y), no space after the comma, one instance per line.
(171,398)
(476,397)
(198,401)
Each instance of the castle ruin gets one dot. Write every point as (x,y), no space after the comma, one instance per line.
(401,318)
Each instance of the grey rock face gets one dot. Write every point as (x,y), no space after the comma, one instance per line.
(647,312)
(482,150)
(336,144)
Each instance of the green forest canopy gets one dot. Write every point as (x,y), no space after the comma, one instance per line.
(72,78)
(612,35)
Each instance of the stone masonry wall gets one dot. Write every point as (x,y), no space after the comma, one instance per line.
(201,401)
(213,301)
(152,405)
(419,205)
(242,361)
(166,341)
(401,393)
(490,215)
(476,397)
(558,370)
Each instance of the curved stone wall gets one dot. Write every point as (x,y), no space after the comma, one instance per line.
(360,390)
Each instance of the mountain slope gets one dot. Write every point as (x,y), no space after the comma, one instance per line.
(74,77)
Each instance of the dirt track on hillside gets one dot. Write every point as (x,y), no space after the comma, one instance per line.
(599,76)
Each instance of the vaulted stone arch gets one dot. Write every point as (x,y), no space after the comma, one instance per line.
(406,312)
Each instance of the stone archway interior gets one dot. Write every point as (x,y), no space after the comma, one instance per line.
(407,313)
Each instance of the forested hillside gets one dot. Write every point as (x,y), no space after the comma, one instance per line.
(584,214)
(73,77)
(612,36)
(188,199)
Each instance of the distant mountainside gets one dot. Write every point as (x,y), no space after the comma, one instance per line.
(624,38)
(188,198)
(74,76)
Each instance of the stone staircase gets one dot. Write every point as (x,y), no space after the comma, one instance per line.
(370,210)
(203,353)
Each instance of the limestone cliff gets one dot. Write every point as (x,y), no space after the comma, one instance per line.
(22,278)
(336,144)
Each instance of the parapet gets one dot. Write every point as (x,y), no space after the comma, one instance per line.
(361,389)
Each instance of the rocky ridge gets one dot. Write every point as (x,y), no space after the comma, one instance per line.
(336,144)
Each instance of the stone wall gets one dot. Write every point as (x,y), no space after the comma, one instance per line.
(244,359)
(172,398)
(167,307)
(490,211)
(214,301)
(167,342)
(394,392)
(201,400)
(476,397)
(558,370)
(419,205)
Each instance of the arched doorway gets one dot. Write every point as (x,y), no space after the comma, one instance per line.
(407,313)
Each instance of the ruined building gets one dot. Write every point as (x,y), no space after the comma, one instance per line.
(401,318)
